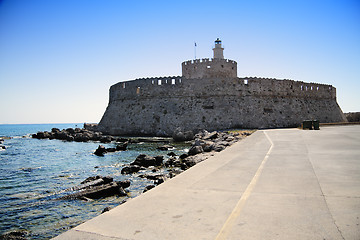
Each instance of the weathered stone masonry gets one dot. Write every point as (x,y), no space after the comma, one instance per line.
(214,98)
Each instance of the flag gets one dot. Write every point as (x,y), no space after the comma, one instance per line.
(195,44)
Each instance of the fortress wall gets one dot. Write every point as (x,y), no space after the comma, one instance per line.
(145,87)
(209,68)
(178,86)
(289,88)
(214,104)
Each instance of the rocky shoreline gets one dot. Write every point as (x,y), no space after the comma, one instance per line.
(156,169)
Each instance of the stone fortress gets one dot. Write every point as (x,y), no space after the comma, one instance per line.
(210,96)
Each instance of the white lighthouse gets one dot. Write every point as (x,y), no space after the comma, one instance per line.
(218,50)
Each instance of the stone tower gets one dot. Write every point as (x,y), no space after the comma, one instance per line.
(216,67)
(218,50)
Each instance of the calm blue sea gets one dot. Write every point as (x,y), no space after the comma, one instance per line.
(33,173)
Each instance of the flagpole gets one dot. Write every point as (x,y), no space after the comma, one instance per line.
(195,49)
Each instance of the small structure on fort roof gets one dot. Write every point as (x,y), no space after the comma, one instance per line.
(209,95)
(210,68)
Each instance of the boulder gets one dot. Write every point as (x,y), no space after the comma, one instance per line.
(159,160)
(183,156)
(211,136)
(90,182)
(82,137)
(96,192)
(96,136)
(130,169)
(158,178)
(62,135)
(173,162)
(100,151)
(124,184)
(208,146)
(189,163)
(174,172)
(147,188)
(70,130)
(105,139)
(110,149)
(90,126)
(55,130)
(195,150)
(105,179)
(106,209)
(122,147)
(181,136)
(164,147)
(122,140)
(144,160)
(218,147)
(39,135)
(15,235)
(97,187)
(159,181)
(201,134)
(171,154)
(69,138)
(229,138)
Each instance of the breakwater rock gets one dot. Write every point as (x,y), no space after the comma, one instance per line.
(96,187)
(70,134)
(101,150)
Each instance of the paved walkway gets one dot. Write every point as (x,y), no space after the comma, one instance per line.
(275,184)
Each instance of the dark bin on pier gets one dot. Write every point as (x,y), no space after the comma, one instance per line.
(316,124)
(307,124)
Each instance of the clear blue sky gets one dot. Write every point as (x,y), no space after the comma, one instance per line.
(58,58)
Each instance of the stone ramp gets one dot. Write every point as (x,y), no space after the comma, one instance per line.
(275,184)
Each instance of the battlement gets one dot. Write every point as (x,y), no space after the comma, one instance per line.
(248,86)
(202,60)
(209,68)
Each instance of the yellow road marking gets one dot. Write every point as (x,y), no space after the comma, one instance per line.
(228,225)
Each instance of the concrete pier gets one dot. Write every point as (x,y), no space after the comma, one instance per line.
(275,184)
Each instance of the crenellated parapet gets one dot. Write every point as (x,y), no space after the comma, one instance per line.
(209,68)
(208,87)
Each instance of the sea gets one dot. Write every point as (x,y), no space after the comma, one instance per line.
(34,172)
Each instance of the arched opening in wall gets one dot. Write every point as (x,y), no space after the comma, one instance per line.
(152,81)
(222,66)
(166,81)
(173,82)
(311,88)
(305,88)
(317,88)
(301,87)
(138,90)
(179,80)
(124,85)
(245,81)
(159,82)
